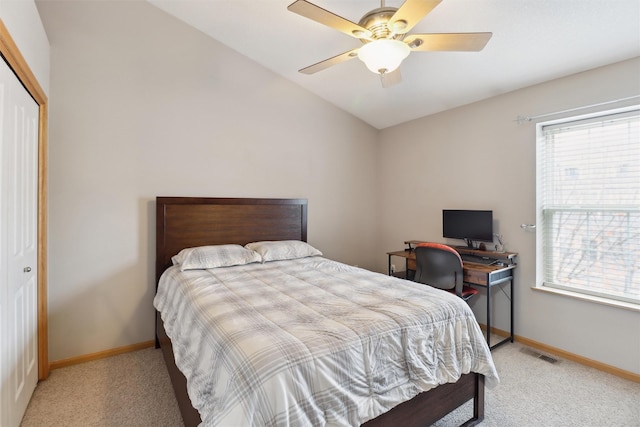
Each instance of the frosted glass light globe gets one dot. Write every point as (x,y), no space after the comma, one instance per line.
(383,56)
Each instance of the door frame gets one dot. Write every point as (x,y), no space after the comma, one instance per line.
(9,50)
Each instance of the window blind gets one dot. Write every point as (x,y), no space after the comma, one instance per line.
(589,201)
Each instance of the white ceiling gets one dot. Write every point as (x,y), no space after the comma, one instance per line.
(533,41)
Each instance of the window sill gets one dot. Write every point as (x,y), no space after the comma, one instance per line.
(589,298)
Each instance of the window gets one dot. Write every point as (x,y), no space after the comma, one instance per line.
(588,187)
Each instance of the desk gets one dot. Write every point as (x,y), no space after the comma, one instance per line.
(486,276)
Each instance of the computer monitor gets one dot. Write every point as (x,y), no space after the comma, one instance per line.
(468,225)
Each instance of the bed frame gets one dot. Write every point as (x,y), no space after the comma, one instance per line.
(183,222)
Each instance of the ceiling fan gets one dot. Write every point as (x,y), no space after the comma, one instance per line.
(384,32)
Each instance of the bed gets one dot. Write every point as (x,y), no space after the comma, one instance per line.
(186,222)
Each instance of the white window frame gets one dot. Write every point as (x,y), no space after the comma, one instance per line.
(541,232)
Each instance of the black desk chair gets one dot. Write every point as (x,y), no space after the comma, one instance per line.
(440,266)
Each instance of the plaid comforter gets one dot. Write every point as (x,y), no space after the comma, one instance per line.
(313,342)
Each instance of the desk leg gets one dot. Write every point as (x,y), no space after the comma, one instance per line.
(510,338)
(389,267)
(489,314)
(512,287)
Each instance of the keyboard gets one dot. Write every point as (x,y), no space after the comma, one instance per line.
(477,259)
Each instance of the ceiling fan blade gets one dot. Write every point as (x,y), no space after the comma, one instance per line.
(323,16)
(391,79)
(311,69)
(470,42)
(410,13)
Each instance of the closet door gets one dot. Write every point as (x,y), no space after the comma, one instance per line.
(18,249)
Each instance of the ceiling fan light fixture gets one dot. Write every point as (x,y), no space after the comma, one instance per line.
(383,56)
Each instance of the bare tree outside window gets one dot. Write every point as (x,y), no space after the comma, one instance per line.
(590,204)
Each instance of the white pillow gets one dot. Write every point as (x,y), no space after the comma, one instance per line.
(203,257)
(283,249)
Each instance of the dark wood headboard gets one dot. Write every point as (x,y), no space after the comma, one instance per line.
(184,222)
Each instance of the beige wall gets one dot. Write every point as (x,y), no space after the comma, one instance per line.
(479,157)
(23,23)
(143,105)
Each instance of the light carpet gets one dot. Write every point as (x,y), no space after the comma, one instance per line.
(134,390)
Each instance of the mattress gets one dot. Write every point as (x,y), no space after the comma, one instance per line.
(313,342)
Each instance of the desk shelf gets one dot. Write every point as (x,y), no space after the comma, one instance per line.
(507,256)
